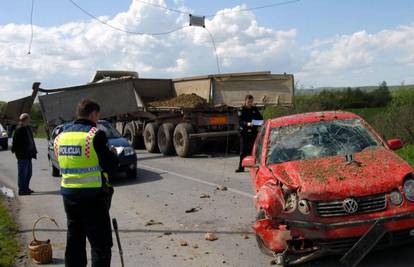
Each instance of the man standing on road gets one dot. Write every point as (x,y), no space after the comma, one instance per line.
(248,131)
(24,147)
(85,162)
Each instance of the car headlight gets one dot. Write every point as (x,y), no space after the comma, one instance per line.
(409,189)
(396,198)
(3,134)
(129,151)
(119,149)
(304,206)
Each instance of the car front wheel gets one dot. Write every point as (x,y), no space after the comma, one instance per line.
(260,243)
(132,174)
(54,171)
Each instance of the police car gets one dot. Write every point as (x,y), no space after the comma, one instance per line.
(3,138)
(125,152)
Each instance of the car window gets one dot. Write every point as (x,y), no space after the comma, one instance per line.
(320,139)
(260,145)
(108,129)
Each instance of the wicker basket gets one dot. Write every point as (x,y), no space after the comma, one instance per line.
(41,251)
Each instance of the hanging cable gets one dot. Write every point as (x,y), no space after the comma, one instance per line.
(254,8)
(164,7)
(31,29)
(223,13)
(122,30)
(215,50)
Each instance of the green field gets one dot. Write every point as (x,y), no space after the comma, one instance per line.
(8,243)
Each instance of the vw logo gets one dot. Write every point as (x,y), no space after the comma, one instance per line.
(350,205)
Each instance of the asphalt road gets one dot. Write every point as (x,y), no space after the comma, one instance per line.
(165,189)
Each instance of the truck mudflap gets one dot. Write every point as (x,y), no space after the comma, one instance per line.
(364,245)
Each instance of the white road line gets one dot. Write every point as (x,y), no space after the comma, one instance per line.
(196,180)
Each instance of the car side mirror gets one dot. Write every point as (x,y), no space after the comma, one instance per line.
(249,162)
(394,144)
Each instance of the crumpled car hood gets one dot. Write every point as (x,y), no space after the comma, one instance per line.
(379,170)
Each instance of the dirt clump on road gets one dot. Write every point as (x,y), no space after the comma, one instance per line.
(182,101)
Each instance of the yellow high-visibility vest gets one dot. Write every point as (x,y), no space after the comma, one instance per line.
(78,161)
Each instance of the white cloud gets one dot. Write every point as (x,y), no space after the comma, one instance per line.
(361,53)
(69,54)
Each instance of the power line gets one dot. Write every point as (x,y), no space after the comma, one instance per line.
(223,13)
(256,8)
(31,29)
(215,50)
(120,29)
(164,7)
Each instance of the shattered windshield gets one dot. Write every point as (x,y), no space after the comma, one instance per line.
(317,140)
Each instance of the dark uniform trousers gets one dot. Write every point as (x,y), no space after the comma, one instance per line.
(246,145)
(88,217)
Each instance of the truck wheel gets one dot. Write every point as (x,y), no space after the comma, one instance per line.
(150,137)
(260,243)
(132,137)
(165,138)
(184,146)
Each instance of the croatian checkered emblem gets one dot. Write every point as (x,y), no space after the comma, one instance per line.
(56,145)
(89,138)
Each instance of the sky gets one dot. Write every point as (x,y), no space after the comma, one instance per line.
(322,42)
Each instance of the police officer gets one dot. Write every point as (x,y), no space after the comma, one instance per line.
(85,161)
(248,131)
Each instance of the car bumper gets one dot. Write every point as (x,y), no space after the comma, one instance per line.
(337,235)
(127,163)
(351,228)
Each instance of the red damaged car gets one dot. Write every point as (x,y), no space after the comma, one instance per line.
(327,183)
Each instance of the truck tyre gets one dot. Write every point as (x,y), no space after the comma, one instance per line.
(165,138)
(132,137)
(184,146)
(150,137)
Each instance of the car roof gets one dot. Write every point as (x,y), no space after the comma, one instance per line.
(312,117)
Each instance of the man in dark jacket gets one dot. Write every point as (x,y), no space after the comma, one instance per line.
(85,162)
(24,148)
(248,130)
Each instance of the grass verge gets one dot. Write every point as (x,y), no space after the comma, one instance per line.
(9,245)
(407,153)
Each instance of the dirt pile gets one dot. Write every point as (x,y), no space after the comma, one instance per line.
(181,101)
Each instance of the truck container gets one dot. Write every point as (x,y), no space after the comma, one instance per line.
(138,106)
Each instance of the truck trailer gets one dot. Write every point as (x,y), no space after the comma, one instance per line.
(145,110)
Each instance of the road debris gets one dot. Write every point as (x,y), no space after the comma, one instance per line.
(204,195)
(183,243)
(167,233)
(195,246)
(192,210)
(152,222)
(221,188)
(246,237)
(210,236)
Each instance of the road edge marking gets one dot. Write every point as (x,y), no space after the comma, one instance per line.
(196,180)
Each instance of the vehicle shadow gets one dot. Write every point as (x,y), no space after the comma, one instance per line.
(39,193)
(143,176)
